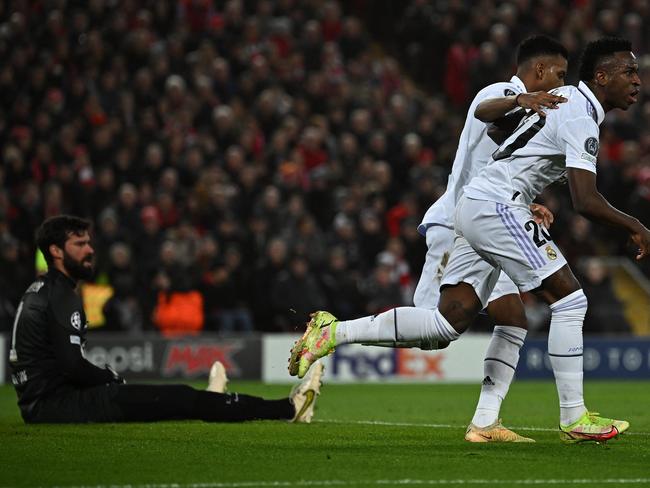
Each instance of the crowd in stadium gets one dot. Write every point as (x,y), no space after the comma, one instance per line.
(276,156)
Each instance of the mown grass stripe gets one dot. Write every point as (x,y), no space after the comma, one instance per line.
(443,426)
(381,482)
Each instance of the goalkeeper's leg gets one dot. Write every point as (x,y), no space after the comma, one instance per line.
(146,403)
(152,402)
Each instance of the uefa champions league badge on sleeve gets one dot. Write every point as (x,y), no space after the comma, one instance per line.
(592,146)
(75,320)
(591,150)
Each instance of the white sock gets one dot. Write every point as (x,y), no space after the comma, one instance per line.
(499,367)
(402,324)
(565,353)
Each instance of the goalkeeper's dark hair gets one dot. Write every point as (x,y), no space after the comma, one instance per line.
(539,46)
(56,230)
(598,51)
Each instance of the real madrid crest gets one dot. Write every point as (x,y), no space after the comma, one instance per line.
(550,252)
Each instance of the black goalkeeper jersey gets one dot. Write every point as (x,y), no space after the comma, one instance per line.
(47,342)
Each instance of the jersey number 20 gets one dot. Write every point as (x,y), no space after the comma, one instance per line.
(537,229)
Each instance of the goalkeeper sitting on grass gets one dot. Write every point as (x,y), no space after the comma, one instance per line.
(56,384)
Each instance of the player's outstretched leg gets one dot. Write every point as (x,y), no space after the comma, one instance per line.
(396,326)
(592,427)
(303,396)
(495,432)
(218,380)
(317,341)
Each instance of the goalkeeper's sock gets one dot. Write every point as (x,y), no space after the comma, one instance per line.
(402,324)
(565,352)
(235,407)
(499,367)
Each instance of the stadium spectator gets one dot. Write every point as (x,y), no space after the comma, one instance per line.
(605,312)
(211,121)
(122,311)
(295,292)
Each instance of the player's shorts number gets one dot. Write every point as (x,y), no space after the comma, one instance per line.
(538,229)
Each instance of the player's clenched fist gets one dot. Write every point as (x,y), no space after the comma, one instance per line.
(542,215)
(642,239)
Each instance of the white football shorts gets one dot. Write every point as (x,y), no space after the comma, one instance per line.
(440,242)
(492,237)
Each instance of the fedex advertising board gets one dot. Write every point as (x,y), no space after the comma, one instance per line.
(460,362)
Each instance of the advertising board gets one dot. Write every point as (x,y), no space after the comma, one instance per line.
(604,358)
(460,362)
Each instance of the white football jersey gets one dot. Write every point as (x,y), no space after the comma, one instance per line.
(474,151)
(539,151)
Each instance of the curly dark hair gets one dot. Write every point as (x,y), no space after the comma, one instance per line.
(597,51)
(539,46)
(56,230)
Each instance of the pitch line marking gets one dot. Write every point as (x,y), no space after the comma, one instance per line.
(442,426)
(405,482)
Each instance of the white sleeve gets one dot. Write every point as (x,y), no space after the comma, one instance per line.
(496,90)
(578,138)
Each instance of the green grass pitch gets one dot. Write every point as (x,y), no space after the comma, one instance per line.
(364,435)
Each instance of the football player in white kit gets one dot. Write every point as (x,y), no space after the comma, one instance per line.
(496,231)
(541,66)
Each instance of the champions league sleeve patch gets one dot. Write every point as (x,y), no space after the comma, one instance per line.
(508,92)
(591,150)
(591,146)
(75,320)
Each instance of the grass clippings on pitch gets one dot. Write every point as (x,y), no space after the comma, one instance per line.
(365,435)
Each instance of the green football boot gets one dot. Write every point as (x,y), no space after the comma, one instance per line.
(590,427)
(621,425)
(317,341)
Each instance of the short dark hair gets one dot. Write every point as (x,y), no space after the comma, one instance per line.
(596,52)
(56,230)
(539,46)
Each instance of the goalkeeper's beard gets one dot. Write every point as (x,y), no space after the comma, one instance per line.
(79,270)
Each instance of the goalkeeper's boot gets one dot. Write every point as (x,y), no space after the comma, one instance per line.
(218,380)
(303,396)
(589,427)
(317,341)
(495,432)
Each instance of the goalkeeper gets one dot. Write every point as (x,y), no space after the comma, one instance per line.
(56,384)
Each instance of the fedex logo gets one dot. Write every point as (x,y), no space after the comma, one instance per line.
(349,361)
(359,362)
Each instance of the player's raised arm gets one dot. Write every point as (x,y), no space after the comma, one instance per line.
(539,74)
(589,202)
(494,108)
